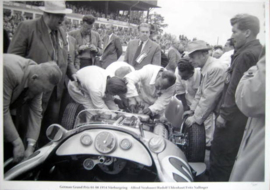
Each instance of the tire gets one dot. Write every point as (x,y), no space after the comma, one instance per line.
(70,114)
(195,136)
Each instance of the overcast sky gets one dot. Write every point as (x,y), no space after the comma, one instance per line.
(207,20)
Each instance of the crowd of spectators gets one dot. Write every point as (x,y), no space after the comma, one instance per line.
(164,40)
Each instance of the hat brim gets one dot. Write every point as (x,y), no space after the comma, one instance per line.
(66,11)
(201,49)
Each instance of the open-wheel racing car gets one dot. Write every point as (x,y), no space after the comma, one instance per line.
(128,148)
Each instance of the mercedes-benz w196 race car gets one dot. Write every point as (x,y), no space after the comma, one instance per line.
(128,148)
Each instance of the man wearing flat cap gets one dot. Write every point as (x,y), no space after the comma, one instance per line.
(208,94)
(43,40)
(88,42)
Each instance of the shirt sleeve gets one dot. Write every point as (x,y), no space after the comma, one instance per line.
(134,78)
(35,116)
(10,131)
(160,104)
(180,87)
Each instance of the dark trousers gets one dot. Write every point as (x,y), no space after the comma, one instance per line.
(20,121)
(225,147)
(50,116)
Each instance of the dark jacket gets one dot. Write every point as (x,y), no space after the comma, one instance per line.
(242,60)
(94,39)
(32,40)
(112,50)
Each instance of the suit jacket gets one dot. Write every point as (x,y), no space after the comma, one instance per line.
(16,70)
(174,57)
(73,60)
(95,39)
(151,49)
(209,91)
(112,50)
(32,40)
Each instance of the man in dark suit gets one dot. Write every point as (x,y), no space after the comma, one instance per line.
(24,83)
(231,122)
(88,42)
(143,51)
(43,40)
(112,48)
(173,55)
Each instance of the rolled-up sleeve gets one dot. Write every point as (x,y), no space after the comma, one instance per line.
(134,78)
(162,101)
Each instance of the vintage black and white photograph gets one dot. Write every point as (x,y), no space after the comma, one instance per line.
(138,92)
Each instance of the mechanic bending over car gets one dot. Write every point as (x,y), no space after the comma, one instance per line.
(155,89)
(25,81)
(120,69)
(209,92)
(187,82)
(94,89)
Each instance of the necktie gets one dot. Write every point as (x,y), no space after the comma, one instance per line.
(55,45)
(137,53)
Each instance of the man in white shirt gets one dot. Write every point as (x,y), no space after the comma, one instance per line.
(119,69)
(94,89)
(154,91)
(187,82)
(226,58)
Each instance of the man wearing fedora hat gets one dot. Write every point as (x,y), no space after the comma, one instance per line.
(211,85)
(43,40)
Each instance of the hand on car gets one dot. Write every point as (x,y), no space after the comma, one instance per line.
(220,123)
(188,113)
(133,108)
(147,111)
(28,152)
(120,103)
(18,150)
(190,121)
(140,103)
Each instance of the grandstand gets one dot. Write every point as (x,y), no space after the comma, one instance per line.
(123,14)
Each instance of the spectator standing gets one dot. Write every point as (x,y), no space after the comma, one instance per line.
(226,58)
(173,55)
(112,49)
(88,42)
(143,51)
(43,40)
(209,92)
(231,121)
(218,51)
